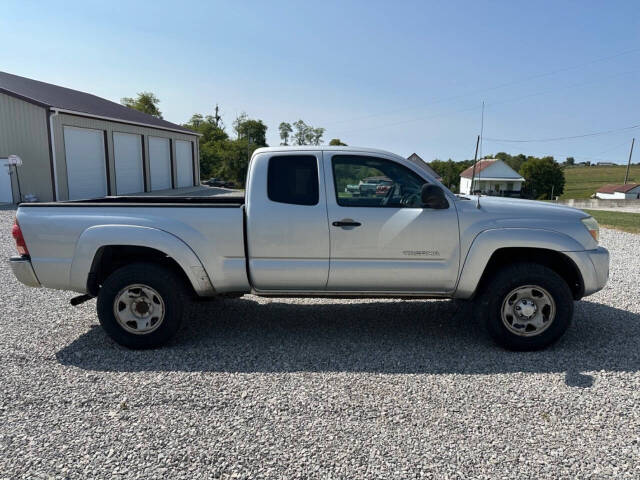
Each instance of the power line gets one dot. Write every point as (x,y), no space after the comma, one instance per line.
(488,89)
(490,105)
(566,87)
(402,122)
(554,139)
(612,148)
(580,156)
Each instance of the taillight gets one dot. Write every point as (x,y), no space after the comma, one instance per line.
(17,236)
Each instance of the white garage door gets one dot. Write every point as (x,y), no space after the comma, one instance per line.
(159,163)
(127,149)
(184,163)
(86,167)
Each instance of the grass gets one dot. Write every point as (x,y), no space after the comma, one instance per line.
(627,222)
(582,182)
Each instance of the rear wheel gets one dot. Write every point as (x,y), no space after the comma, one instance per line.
(141,305)
(525,306)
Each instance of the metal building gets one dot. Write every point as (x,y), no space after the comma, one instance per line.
(75,145)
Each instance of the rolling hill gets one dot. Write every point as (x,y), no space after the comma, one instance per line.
(582,182)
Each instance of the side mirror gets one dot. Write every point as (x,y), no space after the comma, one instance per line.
(433,197)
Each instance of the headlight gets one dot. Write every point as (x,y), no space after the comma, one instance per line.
(593,227)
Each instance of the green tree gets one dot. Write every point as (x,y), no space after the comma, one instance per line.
(514,161)
(304,134)
(337,142)
(196,120)
(207,127)
(450,171)
(221,156)
(212,135)
(145,102)
(314,136)
(253,130)
(542,175)
(232,159)
(300,132)
(570,161)
(285,132)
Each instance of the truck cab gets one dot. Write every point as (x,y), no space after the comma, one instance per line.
(305,233)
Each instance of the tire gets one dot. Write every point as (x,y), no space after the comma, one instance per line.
(525,306)
(141,305)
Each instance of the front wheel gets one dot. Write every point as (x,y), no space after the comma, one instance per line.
(141,305)
(526,306)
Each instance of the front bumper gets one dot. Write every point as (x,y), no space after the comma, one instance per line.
(23,270)
(594,268)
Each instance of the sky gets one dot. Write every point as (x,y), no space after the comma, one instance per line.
(403,76)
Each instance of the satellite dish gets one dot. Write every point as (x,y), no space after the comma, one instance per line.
(14,160)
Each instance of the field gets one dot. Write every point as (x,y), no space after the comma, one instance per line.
(627,222)
(582,182)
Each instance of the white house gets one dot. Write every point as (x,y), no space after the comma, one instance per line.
(629,191)
(492,177)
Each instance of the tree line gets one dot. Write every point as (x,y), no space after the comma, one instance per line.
(227,156)
(543,176)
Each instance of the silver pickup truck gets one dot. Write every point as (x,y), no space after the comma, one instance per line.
(298,231)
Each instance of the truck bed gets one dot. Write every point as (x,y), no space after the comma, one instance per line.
(210,227)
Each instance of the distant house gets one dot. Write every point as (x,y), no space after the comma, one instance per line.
(492,177)
(605,164)
(415,158)
(629,191)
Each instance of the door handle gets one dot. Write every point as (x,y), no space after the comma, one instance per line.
(347,222)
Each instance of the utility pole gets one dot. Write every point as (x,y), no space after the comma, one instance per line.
(217,119)
(626,177)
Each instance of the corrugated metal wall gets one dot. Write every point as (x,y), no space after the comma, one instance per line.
(23,132)
(61,120)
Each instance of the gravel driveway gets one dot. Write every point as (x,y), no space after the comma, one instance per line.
(288,388)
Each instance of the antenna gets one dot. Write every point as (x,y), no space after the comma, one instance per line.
(473,173)
(481,128)
(480,171)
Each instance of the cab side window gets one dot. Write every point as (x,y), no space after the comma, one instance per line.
(362,181)
(293,179)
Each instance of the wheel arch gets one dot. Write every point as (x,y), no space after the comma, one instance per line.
(494,248)
(552,259)
(102,249)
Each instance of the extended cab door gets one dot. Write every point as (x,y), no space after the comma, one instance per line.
(287,229)
(382,239)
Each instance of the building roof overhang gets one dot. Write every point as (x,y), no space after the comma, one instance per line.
(497,179)
(118,120)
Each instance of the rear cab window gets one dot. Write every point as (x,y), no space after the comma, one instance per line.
(293,179)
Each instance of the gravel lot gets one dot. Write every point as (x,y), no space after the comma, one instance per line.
(289,388)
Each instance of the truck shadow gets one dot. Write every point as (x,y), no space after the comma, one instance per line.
(379,337)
